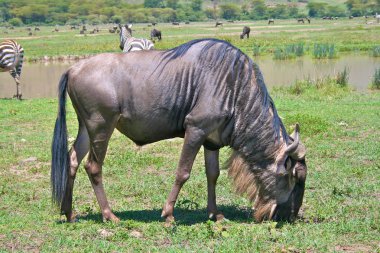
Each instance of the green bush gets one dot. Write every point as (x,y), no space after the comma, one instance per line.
(342,77)
(15,22)
(376,79)
(376,51)
(324,50)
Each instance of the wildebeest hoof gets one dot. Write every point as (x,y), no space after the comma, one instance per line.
(111,217)
(170,221)
(219,217)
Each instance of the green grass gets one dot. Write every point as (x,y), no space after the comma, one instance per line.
(340,128)
(347,36)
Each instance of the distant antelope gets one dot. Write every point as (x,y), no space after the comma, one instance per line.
(218,23)
(270,21)
(300,20)
(308,20)
(246,31)
(175,23)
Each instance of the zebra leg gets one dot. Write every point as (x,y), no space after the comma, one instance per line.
(212,173)
(16,77)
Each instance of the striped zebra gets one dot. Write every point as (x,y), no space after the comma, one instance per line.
(11,59)
(129,43)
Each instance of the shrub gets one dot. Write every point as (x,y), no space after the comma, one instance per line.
(376,51)
(342,77)
(324,50)
(376,79)
(15,22)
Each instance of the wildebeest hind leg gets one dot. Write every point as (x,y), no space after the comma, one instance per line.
(193,140)
(100,133)
(212,173)
(77,153)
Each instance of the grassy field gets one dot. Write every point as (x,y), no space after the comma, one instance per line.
(340,128)
(346,35)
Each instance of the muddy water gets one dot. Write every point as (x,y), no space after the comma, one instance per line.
(40,80)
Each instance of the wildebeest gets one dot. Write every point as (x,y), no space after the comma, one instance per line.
(270,21)
(175,23)
(300,20)
(246,31)
(155,33)
(205,91)
(218,23)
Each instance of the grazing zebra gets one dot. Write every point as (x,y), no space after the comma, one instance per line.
(129,43)
(11,58)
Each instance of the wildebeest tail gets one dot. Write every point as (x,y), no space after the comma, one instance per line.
(60,156)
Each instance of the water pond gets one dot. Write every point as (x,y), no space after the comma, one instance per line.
(40,80)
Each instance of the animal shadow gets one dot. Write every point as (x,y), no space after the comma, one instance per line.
(183,216)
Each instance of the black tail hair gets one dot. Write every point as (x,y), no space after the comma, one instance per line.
(60,156)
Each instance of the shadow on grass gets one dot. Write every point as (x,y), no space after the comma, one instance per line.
(183,216)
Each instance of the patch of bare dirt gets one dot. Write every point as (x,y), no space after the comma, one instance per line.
(354,248)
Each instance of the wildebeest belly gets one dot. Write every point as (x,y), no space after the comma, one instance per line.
(144,129)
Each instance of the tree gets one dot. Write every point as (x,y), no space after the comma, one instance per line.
(259,9)
(230,11)
(316,9)
(154,4)
(172,4)
(196,5)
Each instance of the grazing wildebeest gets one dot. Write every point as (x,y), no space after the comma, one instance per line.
(246,31)
(270,21)
(300,20)
(205,91)
(155,34)
(218,23)
(308,20)
(175,23)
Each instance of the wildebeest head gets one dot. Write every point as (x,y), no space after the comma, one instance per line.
(276,188)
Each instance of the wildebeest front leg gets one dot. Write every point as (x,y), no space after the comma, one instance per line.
(192,142)
(212,173)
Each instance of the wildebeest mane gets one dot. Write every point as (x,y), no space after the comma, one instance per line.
(245,80)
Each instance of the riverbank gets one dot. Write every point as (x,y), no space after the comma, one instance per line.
(340,129)
(346,36)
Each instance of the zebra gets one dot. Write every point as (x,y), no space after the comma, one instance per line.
(11,59)
(129,43)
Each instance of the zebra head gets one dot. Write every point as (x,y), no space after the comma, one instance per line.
(125,34)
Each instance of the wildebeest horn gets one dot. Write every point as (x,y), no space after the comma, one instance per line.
(296,150)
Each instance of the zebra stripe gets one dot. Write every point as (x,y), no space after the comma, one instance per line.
(129,43)
(11,58)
